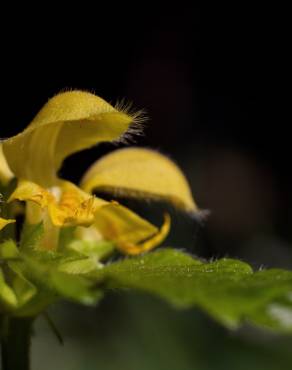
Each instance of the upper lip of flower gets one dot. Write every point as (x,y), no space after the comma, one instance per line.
(73,121)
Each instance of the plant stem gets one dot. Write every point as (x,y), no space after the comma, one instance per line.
(15,346)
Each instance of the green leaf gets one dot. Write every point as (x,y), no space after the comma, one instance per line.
(31,235)
(65,237)
(97,250)
(23,289)
(226,289)
(8,250)
(20,290)
(83,257)
(47,278)
(37,281)
(8,298)
(38,303)
(74,288)
(79,266)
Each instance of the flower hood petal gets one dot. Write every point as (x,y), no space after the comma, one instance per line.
(142,173)
(5,173)
(69,122)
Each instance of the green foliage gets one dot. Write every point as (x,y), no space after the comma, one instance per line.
(38,278)
(53,284)
(7,296)
(226,289)
(99,250)
(31,235)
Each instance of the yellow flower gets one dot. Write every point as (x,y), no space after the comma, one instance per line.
(68,123)
(5,176)
(5,173)
(4,222)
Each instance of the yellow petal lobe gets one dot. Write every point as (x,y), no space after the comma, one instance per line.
(149,244)
(69,122)
(5,173)
(70,207)
(142,173)
(4,222)
(29,191)
(122,226)
(75,207)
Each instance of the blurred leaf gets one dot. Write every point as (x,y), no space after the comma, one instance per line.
(38,282)
(226,289)
(23,289)
(88,248)
(65,237)
(31,235)
(75,288)
(7,296)
(46,276)
(80,266)
(20,290)
(8,250)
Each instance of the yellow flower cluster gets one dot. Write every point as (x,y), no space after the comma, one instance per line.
(68,123)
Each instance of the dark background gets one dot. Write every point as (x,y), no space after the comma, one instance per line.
(214,81)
